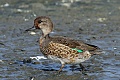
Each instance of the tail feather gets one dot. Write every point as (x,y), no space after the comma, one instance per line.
(97,51)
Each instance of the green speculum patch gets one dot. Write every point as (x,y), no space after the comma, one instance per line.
(78,50)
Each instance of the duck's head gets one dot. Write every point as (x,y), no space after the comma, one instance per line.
(43,23)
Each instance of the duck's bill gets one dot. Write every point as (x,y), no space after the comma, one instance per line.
(31,29)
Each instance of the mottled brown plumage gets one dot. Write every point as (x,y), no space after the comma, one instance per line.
(64,50)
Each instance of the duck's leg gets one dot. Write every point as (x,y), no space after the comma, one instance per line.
(62,66)
(82,67)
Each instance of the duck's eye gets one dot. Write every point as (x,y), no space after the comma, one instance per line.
(39,21)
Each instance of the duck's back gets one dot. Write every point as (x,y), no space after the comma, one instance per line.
(73,43)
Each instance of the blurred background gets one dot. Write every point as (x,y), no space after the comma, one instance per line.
(94,21)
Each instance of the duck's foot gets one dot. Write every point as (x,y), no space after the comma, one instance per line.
(83,68)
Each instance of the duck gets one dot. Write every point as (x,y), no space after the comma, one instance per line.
(62,49)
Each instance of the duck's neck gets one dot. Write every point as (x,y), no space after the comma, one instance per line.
(43,38)
(46,31)
(45,35)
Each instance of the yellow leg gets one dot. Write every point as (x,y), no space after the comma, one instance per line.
(62,66)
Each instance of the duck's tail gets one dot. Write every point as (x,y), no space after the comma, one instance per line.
(97,51)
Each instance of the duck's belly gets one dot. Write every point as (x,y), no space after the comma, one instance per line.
(65,60)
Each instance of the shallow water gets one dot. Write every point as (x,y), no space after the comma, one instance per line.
(94,22)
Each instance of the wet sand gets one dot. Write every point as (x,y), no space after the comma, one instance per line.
(97,23)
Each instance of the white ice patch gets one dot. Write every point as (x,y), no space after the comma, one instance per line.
(52,32)
(32,33)
(1,61)
(38,57)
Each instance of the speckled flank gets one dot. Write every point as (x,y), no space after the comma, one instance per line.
(61,51)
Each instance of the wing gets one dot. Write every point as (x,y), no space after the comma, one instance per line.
(74,43)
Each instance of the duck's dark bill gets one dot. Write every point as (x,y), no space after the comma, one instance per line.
(31,29)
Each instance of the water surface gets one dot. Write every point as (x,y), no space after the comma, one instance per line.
(94,22)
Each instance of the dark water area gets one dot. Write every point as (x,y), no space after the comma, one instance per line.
(96,22)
